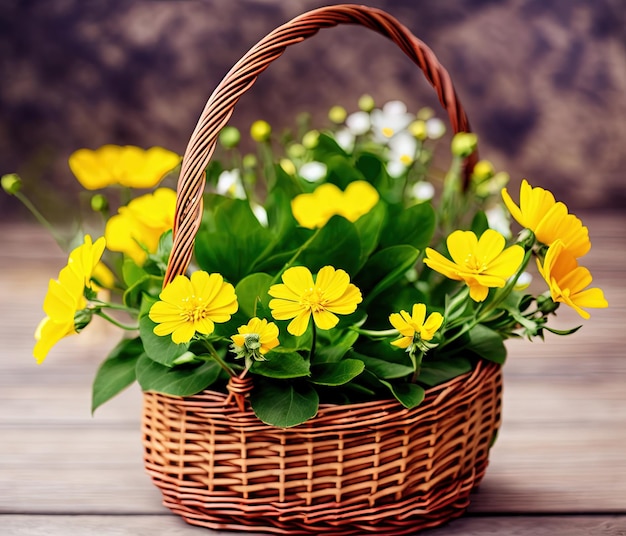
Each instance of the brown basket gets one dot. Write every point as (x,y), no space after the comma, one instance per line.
(370,467)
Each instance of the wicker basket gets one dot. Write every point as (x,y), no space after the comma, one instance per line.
(370,467)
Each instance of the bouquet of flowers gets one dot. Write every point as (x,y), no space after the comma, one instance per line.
(332,266)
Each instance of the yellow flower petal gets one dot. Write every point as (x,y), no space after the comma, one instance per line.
(324,319)
(299,324)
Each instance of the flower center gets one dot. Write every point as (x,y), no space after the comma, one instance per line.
(387,132)
(313,299)
(474,264)
(194,309)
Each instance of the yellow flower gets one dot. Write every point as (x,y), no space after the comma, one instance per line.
(125,165)
(193,305)
(66,296)
(255,339)
(568,281)
(141,223)
(260,130)
(299,297)
(315,209)
(482,264)
(548,219)
(415,326)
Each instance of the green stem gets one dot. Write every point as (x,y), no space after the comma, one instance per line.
(375,333)
(314,340)
(213,353)
(115,306)
(295,256)
(108,318)
(417,365)
(40,218)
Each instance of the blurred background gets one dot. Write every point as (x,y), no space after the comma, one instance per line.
(543,82)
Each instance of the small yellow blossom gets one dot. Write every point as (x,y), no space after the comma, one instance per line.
(141,223)
(315,209)
(568,281)
(260,130)
(125,165)
(190,306)
(415,327)
(482,264)
(65,296)
(255,339)
(548,219)
(299,297)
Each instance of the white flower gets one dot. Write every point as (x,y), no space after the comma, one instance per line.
(358,123)
(392,119)
(313,171)
(498,220)
(423,191)
(523,281)
(435,128)
(345,139)
(402,152)
(260,213)
(229,184)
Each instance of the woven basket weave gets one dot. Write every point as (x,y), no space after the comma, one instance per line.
(370,467)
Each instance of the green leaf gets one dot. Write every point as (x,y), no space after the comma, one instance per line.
(369,227)
(251,289)
(413,226)
(231,241)
(177,381)
(341,171)
(336,244)
(439,371)
(385,268)
(149,284)
(131,273)
(487,343)
(326,148)
(336,348)
(282,366)
(117,372)
(160,349)
(372,168)
(384,369)
(408,394)
(479,223)
(283,404)
(336,373)
(563,331)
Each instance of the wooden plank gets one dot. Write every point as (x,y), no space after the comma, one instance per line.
(95,525)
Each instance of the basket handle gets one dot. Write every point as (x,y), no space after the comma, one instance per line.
(242,76)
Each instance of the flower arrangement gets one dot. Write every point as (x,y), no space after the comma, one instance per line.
(332,266)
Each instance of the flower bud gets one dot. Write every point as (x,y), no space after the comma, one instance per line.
(483,171)
(260,130)
(546,305)
(425,113)
(11,183)
(99,203)
(311,139)
(418,129)
(296,150)
(288,166)
(249,161)
(366,103)
(337,114)
(464,144)
(230,137)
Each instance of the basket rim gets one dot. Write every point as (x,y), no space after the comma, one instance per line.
(358,415)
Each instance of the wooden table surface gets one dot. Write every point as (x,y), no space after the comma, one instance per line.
(558,468)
